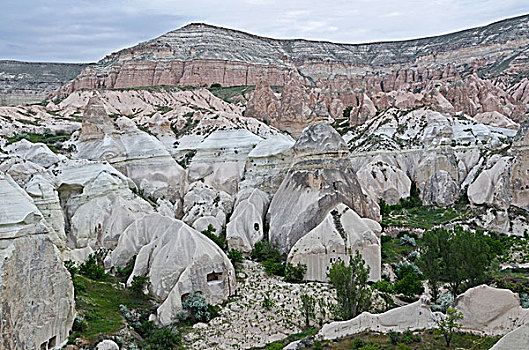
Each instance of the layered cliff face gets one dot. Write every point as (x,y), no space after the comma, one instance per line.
(31,82)
(201,54)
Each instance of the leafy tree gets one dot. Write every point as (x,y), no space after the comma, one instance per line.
(456,256)
(352,291)
(449,325)
(466,258)
(264,250)
(385,289)
(296,273)
(431,263)
(409,281)
(308,308)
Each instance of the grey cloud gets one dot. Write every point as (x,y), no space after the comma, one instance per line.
(85,31)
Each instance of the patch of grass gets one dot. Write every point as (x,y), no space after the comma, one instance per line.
(424,217)
(51,139)
(99,305)
(393,251)
(231,93)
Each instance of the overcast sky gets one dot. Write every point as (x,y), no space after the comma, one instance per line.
(88,30)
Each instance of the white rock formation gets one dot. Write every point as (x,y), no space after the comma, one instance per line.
(516,339)
(413,316)
(37,301)
(268,163)
(177,259)
(203,201)
(246,226)
(37,153)
(135,153)
(320,178)
(491,311)
(337,237)
(384,181)
(220,158)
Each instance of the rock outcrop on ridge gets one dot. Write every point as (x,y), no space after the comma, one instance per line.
(320,178)
(36,299)
(135,153)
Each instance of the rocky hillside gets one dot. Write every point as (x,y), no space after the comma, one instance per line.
(28,82)
(201,54)
(219,218)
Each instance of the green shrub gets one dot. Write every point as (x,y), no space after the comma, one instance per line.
(295,274)
(210,233)
(272,267)
(138,284)
(196,307)
(91,269)
(124,273)
(163,339)
(268,303)
(235,256)
(409,281)
(215,86)
(264,250)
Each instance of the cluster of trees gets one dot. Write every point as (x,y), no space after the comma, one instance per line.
(457,257)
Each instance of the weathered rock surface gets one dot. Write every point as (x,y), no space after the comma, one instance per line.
(490,310)
(177,259)
(37,305)
(384,181)
(135,153)
(516,339)
(204,201)
(341,233)
(268,163)
(246,226)
(413,316)
(320,177)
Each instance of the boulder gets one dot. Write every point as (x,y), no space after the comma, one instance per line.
(337,237)
(37,301)
(107,344)
(491,311)
(320,178)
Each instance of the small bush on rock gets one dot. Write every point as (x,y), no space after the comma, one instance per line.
(295,274)
(235,256)
(196,307)
(138,284)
